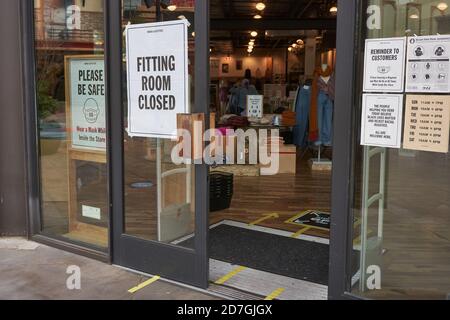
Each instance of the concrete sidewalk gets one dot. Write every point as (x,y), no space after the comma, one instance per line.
(33,271)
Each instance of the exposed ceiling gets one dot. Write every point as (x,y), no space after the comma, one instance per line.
(283,22)
(274,8)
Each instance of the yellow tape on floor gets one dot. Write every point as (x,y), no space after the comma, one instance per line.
(265,217)
(144,284)
(302,231)
(274,294)
(230,275)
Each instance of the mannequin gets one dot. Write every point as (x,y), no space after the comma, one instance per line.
(324,68)
(321,110)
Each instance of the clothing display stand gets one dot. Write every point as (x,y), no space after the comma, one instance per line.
(319,163)
(319,92)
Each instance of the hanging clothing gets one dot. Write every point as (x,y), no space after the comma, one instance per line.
(302,105)
(327,88)
(324,119)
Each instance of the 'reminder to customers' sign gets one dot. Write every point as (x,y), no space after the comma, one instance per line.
(157,77)
(384,65)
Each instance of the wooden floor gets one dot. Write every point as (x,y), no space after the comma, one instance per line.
(284,194)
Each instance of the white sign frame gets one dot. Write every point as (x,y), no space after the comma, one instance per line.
(366,128)
(152,124)
(372,68)
(74,119)
(257,101)
(417,65)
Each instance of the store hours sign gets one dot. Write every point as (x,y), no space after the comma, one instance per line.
(157,77)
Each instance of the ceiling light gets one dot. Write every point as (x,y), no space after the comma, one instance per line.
(193,33)
(172,7)
(442,6)
(249,50)
(290,49)
(294,45)
(414,16)
(333,9)
(254,34)
(181,17)
(260,6)
(257,16)
(300,41)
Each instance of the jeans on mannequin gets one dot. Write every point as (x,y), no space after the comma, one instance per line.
(324,119)
(302,114)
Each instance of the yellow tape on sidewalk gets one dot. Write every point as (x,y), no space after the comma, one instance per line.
(144,284)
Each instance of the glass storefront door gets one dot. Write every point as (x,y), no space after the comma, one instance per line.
(163,201)
(402,200)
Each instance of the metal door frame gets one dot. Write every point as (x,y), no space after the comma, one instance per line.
(344,142)
(173,262)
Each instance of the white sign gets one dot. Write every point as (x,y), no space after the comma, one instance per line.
(255,106)
(384,65)
(87,102)
(157,77)
(91,212)
(428,64)
(381,123)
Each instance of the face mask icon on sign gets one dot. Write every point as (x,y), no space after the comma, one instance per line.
(383,69)
(91,110)
(419,52)
(439,51)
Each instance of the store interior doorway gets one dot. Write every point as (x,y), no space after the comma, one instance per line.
(269,234)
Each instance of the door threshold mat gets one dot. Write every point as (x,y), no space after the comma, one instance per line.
(262,284)
(294,258)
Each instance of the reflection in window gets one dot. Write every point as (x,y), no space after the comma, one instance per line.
(159,195)
(69,42)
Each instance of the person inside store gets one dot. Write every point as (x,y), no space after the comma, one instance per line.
(239,93)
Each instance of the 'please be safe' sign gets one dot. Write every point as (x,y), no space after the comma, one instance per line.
(157,77)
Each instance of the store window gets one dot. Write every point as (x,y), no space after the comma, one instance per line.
(71,109)
(402,202)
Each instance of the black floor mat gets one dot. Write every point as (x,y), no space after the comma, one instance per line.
(263,251)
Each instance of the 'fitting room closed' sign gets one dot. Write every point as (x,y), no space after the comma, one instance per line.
(157,77)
